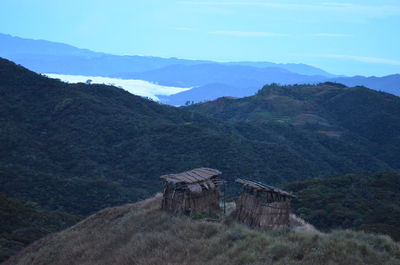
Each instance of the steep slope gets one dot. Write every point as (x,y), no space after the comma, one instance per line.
(358,116)
(79,148)
(141,234)
(366,202)
(21,223)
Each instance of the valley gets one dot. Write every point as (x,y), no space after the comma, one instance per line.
(200,132)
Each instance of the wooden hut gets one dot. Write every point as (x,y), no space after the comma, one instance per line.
(191,192)
(262,206)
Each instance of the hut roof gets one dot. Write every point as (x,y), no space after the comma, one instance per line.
(192,176)
(263,187)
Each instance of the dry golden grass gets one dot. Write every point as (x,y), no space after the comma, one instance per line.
(141,234)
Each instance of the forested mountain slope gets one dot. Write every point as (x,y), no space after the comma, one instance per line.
(356,115)
(23,222)
(79,148)
(362,201)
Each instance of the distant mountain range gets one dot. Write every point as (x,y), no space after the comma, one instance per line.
(209,79)
(238,86)
(51,57)
(389,84)
(232,75)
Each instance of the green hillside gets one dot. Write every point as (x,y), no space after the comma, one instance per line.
(368,202)
(21,223)
(141,234)
(79,148)
(364,120)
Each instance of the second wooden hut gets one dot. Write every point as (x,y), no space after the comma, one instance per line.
(262,206)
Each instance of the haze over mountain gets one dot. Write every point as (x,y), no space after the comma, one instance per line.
(389,84)
(203,74)
(242,81)
(237,79)
(51,57)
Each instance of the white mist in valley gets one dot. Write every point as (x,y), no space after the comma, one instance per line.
(136,87)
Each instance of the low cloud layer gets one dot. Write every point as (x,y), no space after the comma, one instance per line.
(136,87)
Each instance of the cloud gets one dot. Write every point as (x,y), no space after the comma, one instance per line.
(234,33)
(331,35)
(136,87)
(364,59)
(380,10)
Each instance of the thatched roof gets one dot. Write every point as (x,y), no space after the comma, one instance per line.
(194,179)
(192,176)
(263,187)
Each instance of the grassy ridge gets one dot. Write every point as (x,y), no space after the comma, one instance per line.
(141,234)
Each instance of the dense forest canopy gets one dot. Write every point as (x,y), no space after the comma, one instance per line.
(79,147)
(362,201)
(23,222)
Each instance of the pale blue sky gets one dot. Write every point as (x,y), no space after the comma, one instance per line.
(342,37)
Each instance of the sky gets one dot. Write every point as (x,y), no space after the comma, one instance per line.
(341,37)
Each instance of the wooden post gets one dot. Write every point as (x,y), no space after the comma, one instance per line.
(224,198)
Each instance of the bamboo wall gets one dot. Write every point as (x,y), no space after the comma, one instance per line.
(183,201)
(251,210)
